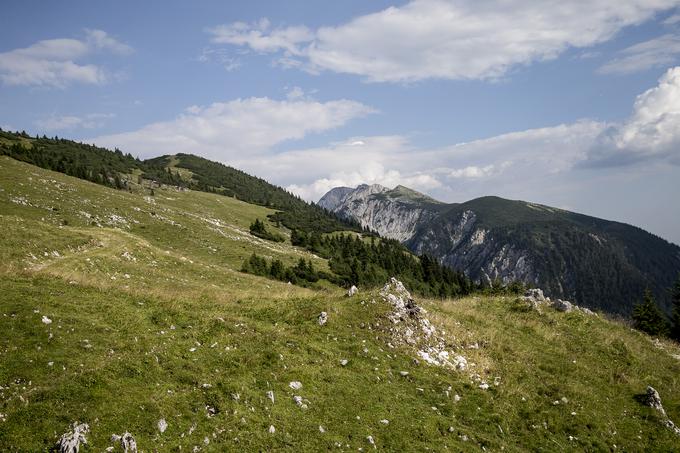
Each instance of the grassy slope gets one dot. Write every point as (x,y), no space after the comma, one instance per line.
(118,363)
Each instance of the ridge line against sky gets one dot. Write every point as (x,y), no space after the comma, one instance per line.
(571,104)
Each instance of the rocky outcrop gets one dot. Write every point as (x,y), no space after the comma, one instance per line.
(652,399)
(70,441)
(392,213)
(412,328)
(334,198)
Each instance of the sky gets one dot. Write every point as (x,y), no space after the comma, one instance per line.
(573,104)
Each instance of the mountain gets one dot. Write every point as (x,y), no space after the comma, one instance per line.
(126,314)
(598,263)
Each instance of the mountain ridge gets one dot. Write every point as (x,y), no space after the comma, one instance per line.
(599,263)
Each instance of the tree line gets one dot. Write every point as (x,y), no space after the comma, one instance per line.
(648,318)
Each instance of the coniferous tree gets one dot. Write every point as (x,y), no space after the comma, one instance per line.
(648,318)
(675,317)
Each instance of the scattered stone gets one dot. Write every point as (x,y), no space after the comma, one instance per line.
(272,430)
(371,441)
(484,386)
(162,425)
(46,320)
(535,294)
(404,373)
(70,442)
(456,397)
(451,429)
(299,401)
(343,362)
(563,305)
(323,318)
(653,400)
(295,385)
(270,395)
(322,429)
(126,441)
(352,291)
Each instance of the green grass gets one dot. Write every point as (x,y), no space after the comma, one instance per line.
(121,354)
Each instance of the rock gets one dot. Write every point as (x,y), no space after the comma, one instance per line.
(46,320)
(270,395)
(344,362)
(653,400)
(70,442)
(162,425)
(535,293)
(127,442)
(323,318)
(411,327)
(352,291)
(456,397)
(384,421)
(563,305)
(484,386)
(272,430)
(295,385)
(322,429)
(371,440)
(404,373)
(300,402)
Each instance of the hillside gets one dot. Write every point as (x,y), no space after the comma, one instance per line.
(122,171)
(598,263)
(128,312)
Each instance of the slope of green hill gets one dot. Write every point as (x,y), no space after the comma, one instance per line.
(120,310)
(122,171)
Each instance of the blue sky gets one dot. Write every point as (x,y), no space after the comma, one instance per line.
(571,104)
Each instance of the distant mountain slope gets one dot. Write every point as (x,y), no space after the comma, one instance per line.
(598,263)
(123,171)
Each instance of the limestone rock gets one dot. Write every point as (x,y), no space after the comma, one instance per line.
(352,291)
(563,305)
(126,441)
(70,442)
(323,318)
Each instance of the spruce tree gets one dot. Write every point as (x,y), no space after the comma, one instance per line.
(675,317)
(648,318)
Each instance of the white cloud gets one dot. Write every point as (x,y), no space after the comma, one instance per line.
(651,132)
(493,165)
(99,39)
(260,37)
(472,172)
(52,62)
(70,122)
(672,20)
(447,39)
(653,53)
(226,131)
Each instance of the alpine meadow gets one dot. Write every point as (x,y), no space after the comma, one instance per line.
(415,225)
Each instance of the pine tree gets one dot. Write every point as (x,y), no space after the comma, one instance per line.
(648,318)
(675,317)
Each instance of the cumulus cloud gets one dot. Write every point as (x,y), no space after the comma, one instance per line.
(53,62)
(226,131)
(70,122)
(460,171)
(653,53)
(446,39)
(651,132)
